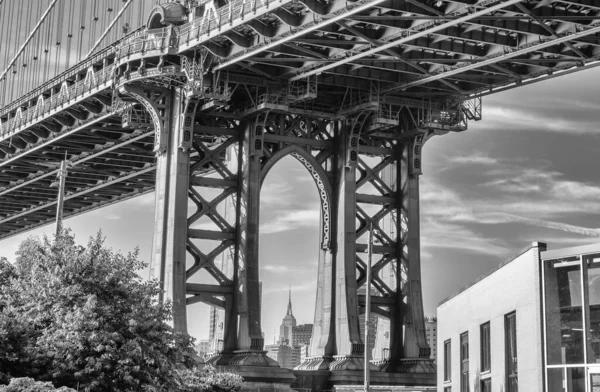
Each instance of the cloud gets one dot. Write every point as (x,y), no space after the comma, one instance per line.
(473,159)
(471,217)
(545,116)
(275,194)
(308,285)
(439,234)
(278,269)
(291,220)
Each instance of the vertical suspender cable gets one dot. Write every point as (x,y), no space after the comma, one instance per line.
(59,29)
(94,20)
(81,28)
(49,27)
(70,32)
(108,28)
(19,74)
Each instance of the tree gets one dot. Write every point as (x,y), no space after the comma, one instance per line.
(82,315)
(207,379)
(30,385)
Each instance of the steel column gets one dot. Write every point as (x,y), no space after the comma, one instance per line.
(169,246)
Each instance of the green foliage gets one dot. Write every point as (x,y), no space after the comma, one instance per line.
(30,385)
(72,314)
(207,379)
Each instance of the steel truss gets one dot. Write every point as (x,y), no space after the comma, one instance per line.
(218,163)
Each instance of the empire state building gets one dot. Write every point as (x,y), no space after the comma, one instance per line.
(289,321)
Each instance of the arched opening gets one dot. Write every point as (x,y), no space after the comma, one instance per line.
(290,246)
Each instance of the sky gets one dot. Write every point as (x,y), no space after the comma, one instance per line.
(527,172)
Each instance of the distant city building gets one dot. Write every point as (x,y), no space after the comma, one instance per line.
(431,334)
(288,322)
(531,325)
(374,323)
(304,352)
(301,335)
(288,357)
(203,348)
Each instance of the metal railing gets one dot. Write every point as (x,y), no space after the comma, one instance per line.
(71,93)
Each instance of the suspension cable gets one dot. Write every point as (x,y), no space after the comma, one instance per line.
(37,26)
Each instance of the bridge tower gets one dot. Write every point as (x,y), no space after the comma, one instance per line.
(212,147)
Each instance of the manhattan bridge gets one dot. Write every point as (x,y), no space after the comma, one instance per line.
(198,99)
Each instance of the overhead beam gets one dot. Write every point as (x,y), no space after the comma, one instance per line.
(494,59)
(407,36)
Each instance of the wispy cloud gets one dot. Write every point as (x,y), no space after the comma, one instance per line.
(473,159)
(530,193)
(291,220)
(548,117)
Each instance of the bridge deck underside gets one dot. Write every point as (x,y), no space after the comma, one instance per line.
(109,164)
(431,50)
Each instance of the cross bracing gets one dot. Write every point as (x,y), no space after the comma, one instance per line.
(304,57)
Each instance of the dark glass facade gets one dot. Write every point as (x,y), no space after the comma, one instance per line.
(572,323)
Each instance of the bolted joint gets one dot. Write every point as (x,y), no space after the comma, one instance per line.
(257,140)
(416,155)
(352,151)
(185,142)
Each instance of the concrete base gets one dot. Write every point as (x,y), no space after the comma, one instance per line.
(319,380)
(315,380)
(353,377)
(258,371)
(409,373)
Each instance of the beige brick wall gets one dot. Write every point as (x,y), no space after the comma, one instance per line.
(514,286)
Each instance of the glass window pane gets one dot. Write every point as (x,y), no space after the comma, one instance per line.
(485,347)
(510,339)
(556,379)
(447,361)
(486,385)
(576,379)
(594,382)
(564,318)
(593,281)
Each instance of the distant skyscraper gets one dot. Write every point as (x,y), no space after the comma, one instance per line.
(288,322)
(431,331)
(301,335)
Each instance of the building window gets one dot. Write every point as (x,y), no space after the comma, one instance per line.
(447,361)
(485,348)
(464,362)
(510,337)
(447,389)
(486,385)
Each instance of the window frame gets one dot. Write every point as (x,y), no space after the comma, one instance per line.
(511,347)
(447,360)
(464,362)
(485,347)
